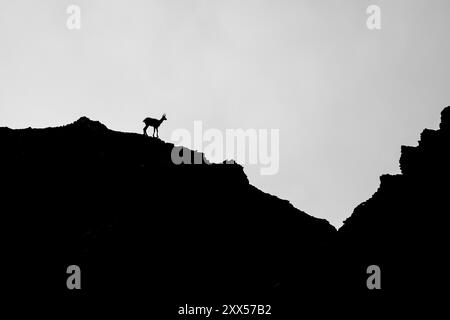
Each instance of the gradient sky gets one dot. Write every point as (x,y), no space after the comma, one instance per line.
(344,98)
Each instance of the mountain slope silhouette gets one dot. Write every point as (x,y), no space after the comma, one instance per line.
(147,232)
(115,204)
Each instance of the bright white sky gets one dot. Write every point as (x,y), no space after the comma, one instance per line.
(344,98)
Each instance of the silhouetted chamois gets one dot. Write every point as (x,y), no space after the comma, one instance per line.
(155,123)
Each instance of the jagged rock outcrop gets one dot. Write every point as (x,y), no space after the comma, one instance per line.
(403,228)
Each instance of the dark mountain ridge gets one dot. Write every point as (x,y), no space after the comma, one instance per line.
(115,204)
(140,226)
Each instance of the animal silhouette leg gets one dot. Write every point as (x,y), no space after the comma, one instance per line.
(145,131)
